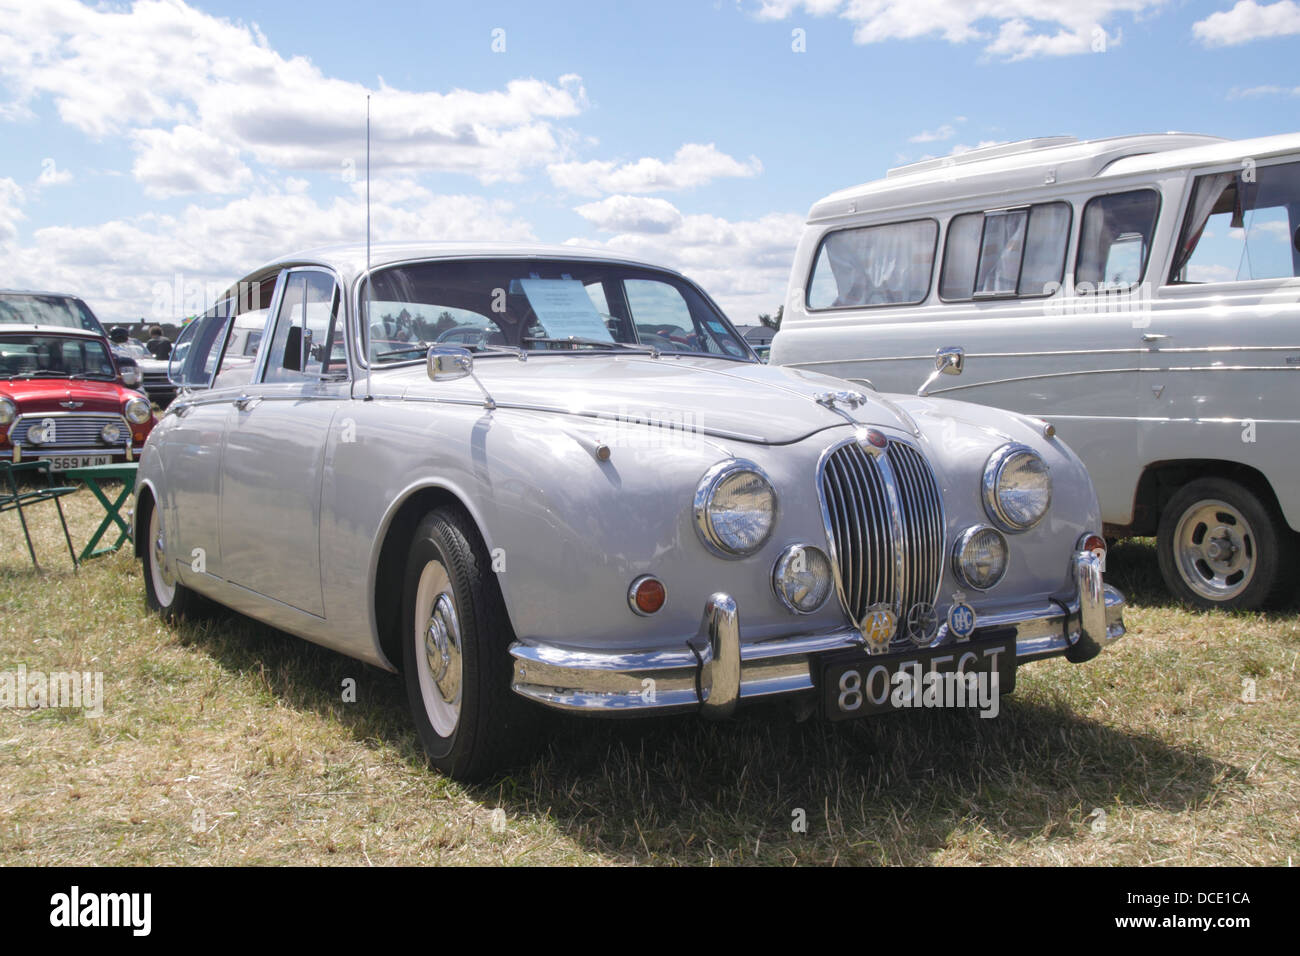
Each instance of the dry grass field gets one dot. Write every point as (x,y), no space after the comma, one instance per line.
(225,742)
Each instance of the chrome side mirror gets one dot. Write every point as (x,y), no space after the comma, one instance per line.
(947,361)
(445,363)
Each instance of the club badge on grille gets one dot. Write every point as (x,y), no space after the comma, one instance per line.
(878,627)
(922,624)
(961,618)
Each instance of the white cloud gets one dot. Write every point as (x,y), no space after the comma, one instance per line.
(1265,91)
(694,164)
(1248,21)
(117,265)
(1008,29)
(744,265)
(11,200)
(164,74)
(631,214)
(946,131)
(187,160)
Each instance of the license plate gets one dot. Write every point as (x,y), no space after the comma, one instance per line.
(861,685)
(67,462)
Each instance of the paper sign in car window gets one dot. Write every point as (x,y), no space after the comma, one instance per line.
(565,310)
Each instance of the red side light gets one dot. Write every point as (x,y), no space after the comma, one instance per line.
(646,595)
(1096,544)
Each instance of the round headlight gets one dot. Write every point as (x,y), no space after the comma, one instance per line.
(111,433)
(980,557)
(137,411)
(8,411)
(1017,488)
(735,508)
(802,578)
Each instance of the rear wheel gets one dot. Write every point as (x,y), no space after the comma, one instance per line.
(455,659)
(162,592)
(1221,546)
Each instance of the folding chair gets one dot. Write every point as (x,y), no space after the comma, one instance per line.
(13,499)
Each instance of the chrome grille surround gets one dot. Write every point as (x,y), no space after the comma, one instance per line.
(72,430)
(885,528)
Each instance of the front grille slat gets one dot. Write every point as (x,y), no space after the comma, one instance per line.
(858,491)
(70,431)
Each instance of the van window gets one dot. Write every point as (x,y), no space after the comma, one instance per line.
(875,265)
(1241,224)
(1115,240)
(1007,252)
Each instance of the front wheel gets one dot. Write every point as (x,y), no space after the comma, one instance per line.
(1220,546)
(455,659)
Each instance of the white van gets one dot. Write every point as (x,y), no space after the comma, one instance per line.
(1139,293)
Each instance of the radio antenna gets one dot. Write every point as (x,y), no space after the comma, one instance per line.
(365,336)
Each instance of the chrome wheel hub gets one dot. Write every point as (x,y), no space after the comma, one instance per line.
(1214,549)
(442,648)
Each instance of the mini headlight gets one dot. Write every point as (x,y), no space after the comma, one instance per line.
(802,578)
(1017,488)
(111,433)
(979,558)
(8,411)
(735,508)
(137,411)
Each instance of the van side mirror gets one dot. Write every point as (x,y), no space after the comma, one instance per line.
(949,360)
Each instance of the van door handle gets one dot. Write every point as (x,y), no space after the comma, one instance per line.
(1153,336)
(245,402)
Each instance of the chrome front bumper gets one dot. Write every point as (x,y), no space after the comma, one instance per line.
(715,670)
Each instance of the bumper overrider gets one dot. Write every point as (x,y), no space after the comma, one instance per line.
(716,669)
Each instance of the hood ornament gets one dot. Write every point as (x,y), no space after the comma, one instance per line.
(845,397)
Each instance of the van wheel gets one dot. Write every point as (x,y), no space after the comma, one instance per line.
(455,659)
(162,592)
(1220,546)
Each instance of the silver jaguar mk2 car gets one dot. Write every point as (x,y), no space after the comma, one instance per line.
(568,511)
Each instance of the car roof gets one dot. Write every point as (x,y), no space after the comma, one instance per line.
(349,259)
(1006,167)
(54,295)
(29,328)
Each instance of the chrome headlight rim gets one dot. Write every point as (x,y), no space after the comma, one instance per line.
(137,405)
(992,480)
(8,412)
(783,562)
(959,547)
(704,492)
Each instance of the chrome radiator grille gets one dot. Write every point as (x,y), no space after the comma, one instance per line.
(70,431)
(884,515)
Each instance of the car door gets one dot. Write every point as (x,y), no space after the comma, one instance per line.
(276,436)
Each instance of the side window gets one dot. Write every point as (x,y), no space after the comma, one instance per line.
(1239,227)
(664,319)
(874,265)
(194,357)
(1115,240)
(1006,252)
(306,342)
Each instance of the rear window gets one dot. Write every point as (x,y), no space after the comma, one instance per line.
(1005,252)
(57,310)
(875,265)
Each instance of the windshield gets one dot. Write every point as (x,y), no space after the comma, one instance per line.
(56,310)
(40,356)
(539,305)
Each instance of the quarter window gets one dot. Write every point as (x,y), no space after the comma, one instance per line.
(306,341)
(1241,224)
(875,265)
(1006,252)
(1115,240)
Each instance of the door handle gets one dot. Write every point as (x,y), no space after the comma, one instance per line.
(246,402)
(1153,336)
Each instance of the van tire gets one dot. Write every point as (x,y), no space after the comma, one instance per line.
(1221,546)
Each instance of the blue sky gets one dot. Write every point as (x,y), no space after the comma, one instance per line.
(154,151)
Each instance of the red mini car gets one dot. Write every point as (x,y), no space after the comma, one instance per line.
(62,399)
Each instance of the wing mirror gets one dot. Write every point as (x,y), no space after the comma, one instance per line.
(947,361)
(445,363)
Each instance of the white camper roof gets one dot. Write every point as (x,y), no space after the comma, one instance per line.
(1008,167)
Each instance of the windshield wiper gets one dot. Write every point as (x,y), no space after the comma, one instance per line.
(598,343)
(406,351)
(102,376)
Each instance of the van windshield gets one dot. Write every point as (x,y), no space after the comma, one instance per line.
(25,308)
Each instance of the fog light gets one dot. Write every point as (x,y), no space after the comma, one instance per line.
(980,557)
(646,595)
(802,578)
(111,434)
